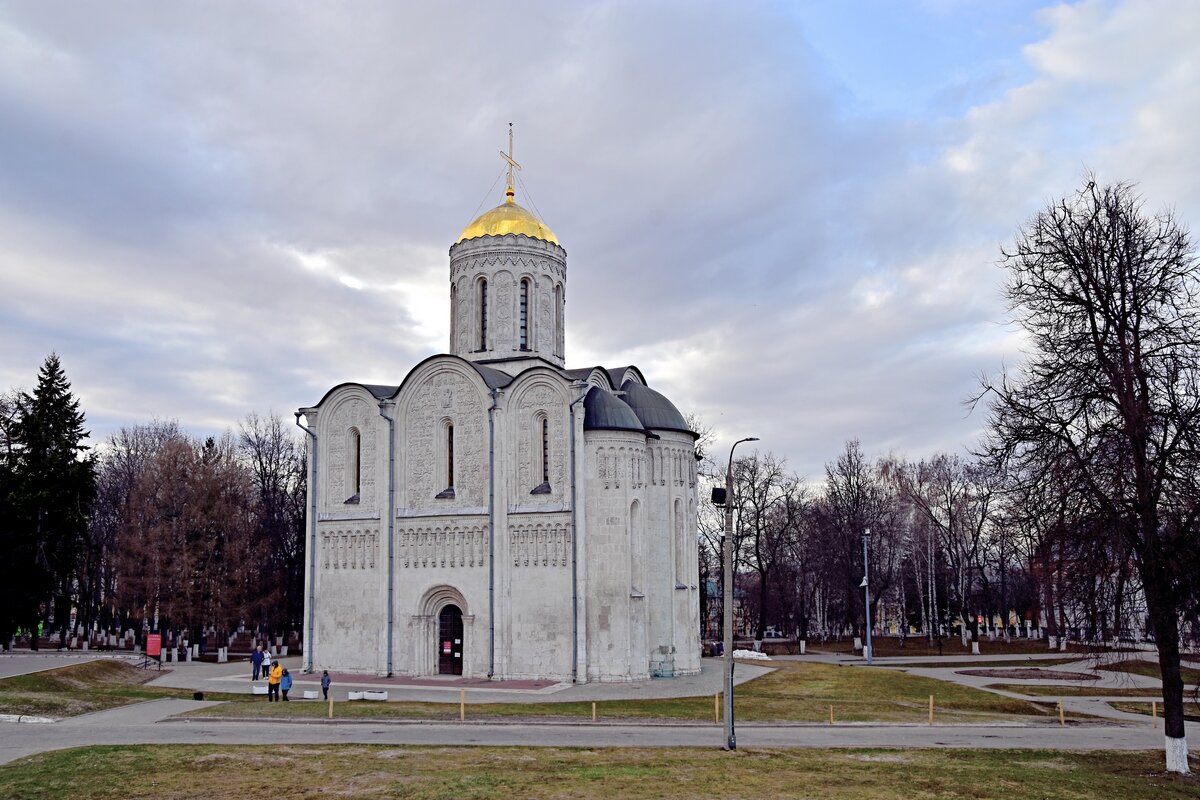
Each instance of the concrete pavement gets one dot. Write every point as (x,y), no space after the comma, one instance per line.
(235,678)
(152,723)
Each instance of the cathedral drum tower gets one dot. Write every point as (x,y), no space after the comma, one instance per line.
(496,514)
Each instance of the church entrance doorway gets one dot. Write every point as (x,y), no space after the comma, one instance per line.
(450,640)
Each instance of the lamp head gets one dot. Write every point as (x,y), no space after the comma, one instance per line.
(863,585)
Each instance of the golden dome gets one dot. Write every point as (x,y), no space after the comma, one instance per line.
(508,218)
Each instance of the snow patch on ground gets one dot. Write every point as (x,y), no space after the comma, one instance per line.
(26,718)
(751,654)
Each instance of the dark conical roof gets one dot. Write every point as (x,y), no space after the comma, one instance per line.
(653,410)
(603,411)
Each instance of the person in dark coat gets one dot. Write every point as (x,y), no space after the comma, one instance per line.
(325,681)
(256,661)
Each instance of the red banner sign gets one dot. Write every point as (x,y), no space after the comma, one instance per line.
(446,647)
(153,644)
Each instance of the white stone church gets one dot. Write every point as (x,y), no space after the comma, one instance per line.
(496,514)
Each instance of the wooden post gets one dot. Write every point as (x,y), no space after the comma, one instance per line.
(717,708)
(462,705)
(331,708)
(830,713)
(593,711)
(930,709)
(1061,717)
(1154,713)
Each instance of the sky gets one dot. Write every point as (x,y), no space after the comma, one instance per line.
(789,215)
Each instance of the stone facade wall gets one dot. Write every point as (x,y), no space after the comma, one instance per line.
(351,587)
(504,262)
(636,514)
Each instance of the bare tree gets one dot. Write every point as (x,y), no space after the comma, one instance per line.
(1109,298)
(276,461)
(768,520)
(855,502)
(955,498)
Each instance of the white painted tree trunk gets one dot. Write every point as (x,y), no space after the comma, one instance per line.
(1177,754)
(802,643)
(1052,641)
(974,648)
(857,643)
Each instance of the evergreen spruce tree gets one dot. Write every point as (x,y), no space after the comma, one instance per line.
(48,484)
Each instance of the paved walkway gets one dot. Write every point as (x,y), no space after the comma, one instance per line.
(149,723)
(198,676)
(152,723)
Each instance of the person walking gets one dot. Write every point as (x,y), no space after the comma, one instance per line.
(273,683)
(285,684)
(325,681)
(256,660)
(266,660)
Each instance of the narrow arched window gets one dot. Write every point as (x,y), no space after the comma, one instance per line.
(449,456)
(353,465)
(681,546)
(357,462)
(524,314)
(483,314)
(545,450)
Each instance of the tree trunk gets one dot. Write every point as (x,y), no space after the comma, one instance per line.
(1166,636)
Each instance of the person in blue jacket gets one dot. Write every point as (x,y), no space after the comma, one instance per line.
(256,660)
(285,683)
(325,681)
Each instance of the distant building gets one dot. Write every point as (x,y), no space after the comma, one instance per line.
(495,513)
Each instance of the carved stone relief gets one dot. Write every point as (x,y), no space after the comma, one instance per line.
(349,549)
(445,394)
(352,413)
(439,546)
(502,337)
(464,326)
(545,326)
(540,545)
(537,401)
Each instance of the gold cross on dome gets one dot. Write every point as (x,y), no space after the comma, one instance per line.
(511,164)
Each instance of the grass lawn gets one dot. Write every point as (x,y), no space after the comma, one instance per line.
(951,646)
(794,692)
(83,688)
(1150,670)
(1075,691)
(1191,709)
(983,662)
(218,772)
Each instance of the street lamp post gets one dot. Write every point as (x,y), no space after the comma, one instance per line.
(727,596)
(867,589)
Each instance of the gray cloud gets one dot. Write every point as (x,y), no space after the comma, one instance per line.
(213,209)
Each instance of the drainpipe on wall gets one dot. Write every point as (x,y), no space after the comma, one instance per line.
(309,637)
(492,536)
(574,547)
(391,525)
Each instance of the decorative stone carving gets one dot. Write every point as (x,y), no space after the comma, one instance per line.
(445,394)
(539,545)
(441,546)
(532,404)
(353,412)
(349,549)
(545,326)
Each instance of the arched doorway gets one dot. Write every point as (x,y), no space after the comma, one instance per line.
(450,640)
